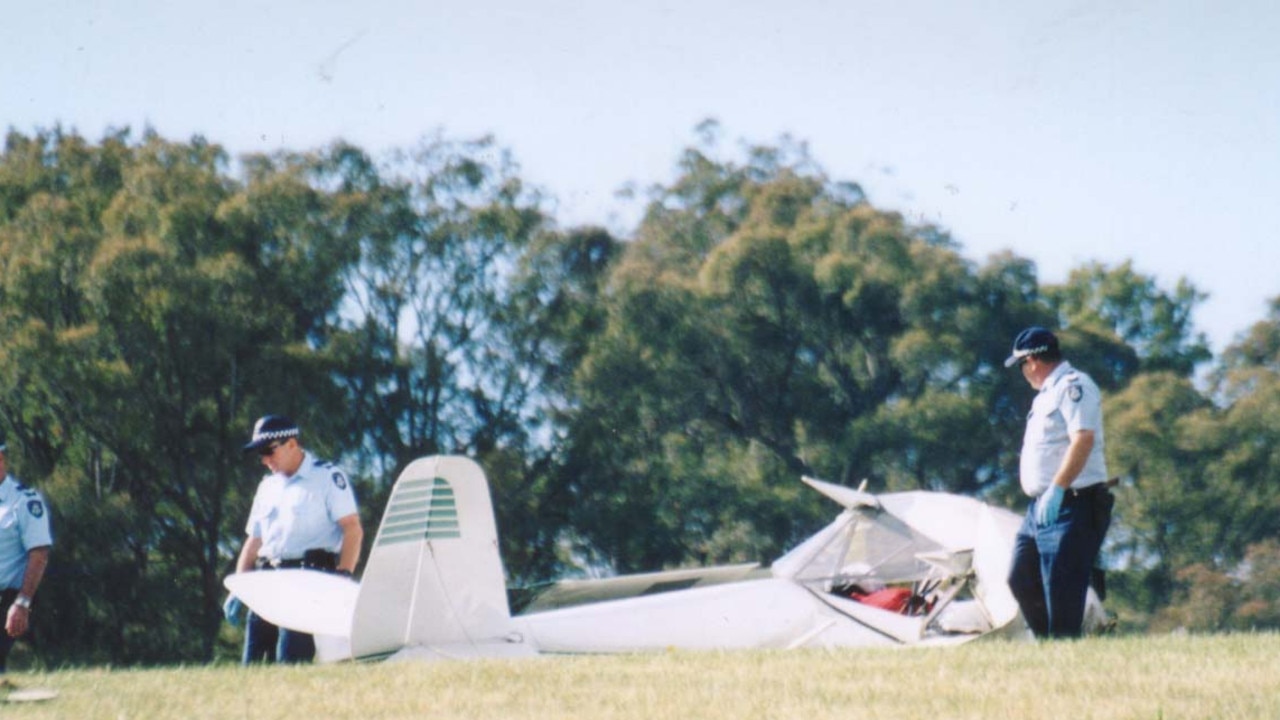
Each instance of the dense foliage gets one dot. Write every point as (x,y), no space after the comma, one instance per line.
(638,402)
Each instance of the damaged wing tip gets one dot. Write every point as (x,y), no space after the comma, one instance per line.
(846,496)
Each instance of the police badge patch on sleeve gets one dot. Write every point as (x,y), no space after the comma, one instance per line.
(36,508)
(340,481)
(1075,392)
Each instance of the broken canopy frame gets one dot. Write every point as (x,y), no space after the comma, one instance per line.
(952,552)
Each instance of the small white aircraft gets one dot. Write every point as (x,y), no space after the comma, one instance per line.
(910,568)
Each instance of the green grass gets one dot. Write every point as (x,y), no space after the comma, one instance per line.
(1228,676)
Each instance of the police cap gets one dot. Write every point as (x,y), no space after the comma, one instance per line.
(270,428)
(1032,341)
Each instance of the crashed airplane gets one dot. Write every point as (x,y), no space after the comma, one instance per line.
(896,569)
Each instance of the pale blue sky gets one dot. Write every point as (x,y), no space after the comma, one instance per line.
(1065,131)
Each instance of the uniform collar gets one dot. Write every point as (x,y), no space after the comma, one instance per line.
(303,467)
(1062,369)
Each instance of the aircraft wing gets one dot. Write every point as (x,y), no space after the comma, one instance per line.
(308,601)
(568,593)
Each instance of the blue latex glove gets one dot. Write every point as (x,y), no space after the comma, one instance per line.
(232,609)
(1048,505)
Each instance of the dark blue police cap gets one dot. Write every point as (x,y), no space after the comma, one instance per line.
(270,428)
(1032,341)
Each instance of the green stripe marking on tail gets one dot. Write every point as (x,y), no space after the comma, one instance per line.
(423,509)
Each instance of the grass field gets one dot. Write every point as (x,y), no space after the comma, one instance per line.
(1228,676)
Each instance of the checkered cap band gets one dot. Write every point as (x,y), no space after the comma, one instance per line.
(275,435)
(1030,351)
(269,428)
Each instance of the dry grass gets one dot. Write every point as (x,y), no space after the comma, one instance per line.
(1231,676)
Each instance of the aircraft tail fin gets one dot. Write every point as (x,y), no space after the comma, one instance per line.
(434,576)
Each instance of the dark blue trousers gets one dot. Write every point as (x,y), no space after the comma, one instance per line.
(6,642)
(264,642)
(1052,565)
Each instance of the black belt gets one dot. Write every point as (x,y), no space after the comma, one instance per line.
(314,559)
(1088,491)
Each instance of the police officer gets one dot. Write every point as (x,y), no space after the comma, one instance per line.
(25,539)
(303,516)
(1063,468)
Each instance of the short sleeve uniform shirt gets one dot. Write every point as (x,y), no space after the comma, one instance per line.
(24,525)
(298,513)
(1068,402)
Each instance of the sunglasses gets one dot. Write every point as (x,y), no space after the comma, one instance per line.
(269,450)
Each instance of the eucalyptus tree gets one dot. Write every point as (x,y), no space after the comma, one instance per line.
(1162,434)
(1125,323)
(764,323)
(438,246)
(1199,506)
(559,310)
(172,304)
(453,330)
(1246,470)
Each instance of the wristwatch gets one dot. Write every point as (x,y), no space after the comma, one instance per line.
(23,602)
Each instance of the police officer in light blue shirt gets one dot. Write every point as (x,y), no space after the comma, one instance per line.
(304,515)
(1062,466)
(25,539)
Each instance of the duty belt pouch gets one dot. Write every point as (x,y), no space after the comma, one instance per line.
(319,559)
